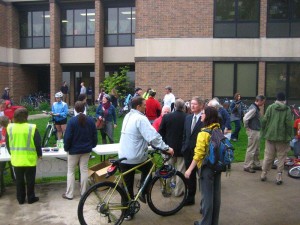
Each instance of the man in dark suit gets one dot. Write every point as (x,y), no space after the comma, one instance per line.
(192,127)
(171,130)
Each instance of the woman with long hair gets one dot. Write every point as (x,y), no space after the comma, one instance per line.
(79,140)
(236,116)
(107,112)
(210,182)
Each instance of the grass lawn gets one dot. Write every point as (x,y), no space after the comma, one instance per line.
(240,148)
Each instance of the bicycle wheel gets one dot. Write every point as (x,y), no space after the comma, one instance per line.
(294,172)
(102,203)
(161,195)
(47,136)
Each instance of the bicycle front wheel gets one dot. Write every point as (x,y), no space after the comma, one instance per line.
(163,197)
(102,203)
(46,137)
(294,172)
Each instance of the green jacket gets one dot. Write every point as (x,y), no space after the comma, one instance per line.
(277,123)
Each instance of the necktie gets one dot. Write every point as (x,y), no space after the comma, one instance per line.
(193,123)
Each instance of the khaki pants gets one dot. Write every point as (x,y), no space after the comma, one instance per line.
(73,160)
(179,164)
(272,149)
(252,154)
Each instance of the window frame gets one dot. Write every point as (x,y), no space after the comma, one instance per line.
(86,35)
(118,34)
(236,21)
(288,75)
(31,37)
(235,78)
(289,21)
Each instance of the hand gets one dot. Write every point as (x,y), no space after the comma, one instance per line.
(187,174)
(171,151)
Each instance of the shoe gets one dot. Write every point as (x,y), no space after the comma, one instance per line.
(189,201)
(279,179)
(128,217)
(65,197)
(92,156)
(263,176)
(33,200)
(21,202)
(249,170)
(257,168)
(142,198)
(234,140)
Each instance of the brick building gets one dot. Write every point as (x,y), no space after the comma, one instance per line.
(199,47)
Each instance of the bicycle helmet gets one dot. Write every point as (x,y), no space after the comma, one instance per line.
(166,171)
(59,95)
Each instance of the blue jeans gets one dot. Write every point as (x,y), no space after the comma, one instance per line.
(237,128)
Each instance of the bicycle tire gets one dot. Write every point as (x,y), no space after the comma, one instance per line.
(161,197)
(294,172)
(47,136)
(95,199)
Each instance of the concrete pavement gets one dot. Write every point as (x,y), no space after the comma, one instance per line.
(245,201)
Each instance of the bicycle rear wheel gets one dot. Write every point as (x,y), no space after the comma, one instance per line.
(102,203)
(161,196)
(294,172)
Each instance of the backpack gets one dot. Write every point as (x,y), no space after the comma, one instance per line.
(221,152)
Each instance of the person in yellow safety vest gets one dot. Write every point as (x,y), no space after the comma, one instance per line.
(147,94)
(23,141)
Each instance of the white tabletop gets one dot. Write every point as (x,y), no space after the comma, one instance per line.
(107,149)
(110,149)
(5,156)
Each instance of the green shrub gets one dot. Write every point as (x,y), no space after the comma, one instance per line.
(44,106)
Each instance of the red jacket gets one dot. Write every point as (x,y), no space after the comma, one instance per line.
(153,108)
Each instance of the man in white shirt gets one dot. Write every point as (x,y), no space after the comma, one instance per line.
(169,98)
(136,133)
(83,88)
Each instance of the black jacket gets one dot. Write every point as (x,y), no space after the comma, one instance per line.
(189,139)
(171,130)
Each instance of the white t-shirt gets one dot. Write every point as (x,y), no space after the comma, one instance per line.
(169,99)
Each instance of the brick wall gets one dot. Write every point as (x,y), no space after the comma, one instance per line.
(13,36)
(174,18)
(3,30)
(263,18)
(187,79)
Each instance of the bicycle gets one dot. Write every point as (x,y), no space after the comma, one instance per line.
(107,202)
(295,111)
(50,132)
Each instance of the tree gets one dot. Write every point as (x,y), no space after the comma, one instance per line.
(118,81)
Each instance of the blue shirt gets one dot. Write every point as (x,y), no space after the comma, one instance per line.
(60,108)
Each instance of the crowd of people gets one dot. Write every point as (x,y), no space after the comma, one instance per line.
(170,126)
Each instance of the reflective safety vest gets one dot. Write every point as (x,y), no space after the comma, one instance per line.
(21,143)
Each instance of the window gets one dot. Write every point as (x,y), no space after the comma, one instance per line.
(283,77)
(230,78)
(283,18)
(236,18)
(120,26)
(78,28)
(34,29)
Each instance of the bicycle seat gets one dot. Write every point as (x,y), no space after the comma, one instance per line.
(116,162)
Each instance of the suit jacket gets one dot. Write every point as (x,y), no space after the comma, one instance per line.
(171,130)
(189,139)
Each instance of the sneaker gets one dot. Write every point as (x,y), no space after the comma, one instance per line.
(263,176)
(249,170)
(128,217)
(65,197)
(257,168)
(92,156)
(234,140)
(279,179)
(33,200)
